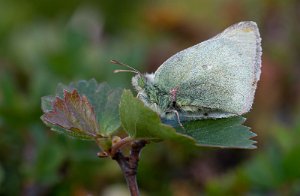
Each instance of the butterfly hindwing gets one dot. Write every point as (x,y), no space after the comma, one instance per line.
(220,73)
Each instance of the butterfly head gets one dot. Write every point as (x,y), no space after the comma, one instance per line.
(149,92)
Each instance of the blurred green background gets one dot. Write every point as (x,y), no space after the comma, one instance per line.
(46,42)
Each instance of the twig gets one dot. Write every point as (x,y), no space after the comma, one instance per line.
(129,165)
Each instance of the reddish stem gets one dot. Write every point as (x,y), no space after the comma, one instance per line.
(129,165)
(116,147)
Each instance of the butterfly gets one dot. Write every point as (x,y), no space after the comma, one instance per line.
(216,78)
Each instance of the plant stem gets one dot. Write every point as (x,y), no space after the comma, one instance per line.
(129,165)
(115,148)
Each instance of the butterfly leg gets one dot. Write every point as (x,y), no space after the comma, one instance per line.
(139,94)
(178,119)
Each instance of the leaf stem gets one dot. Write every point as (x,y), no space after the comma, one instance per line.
(129,165)
(116,147)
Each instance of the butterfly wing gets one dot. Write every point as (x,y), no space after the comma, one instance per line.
(218,74)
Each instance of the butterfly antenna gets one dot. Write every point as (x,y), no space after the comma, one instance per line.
(131,69)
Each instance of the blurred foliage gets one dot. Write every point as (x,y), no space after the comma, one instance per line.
(273,171)
(43,43)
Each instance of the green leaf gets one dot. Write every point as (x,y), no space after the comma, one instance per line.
(224,133)
(47,102)
(74,114)
(72,134)
(140,121)
(103,99)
